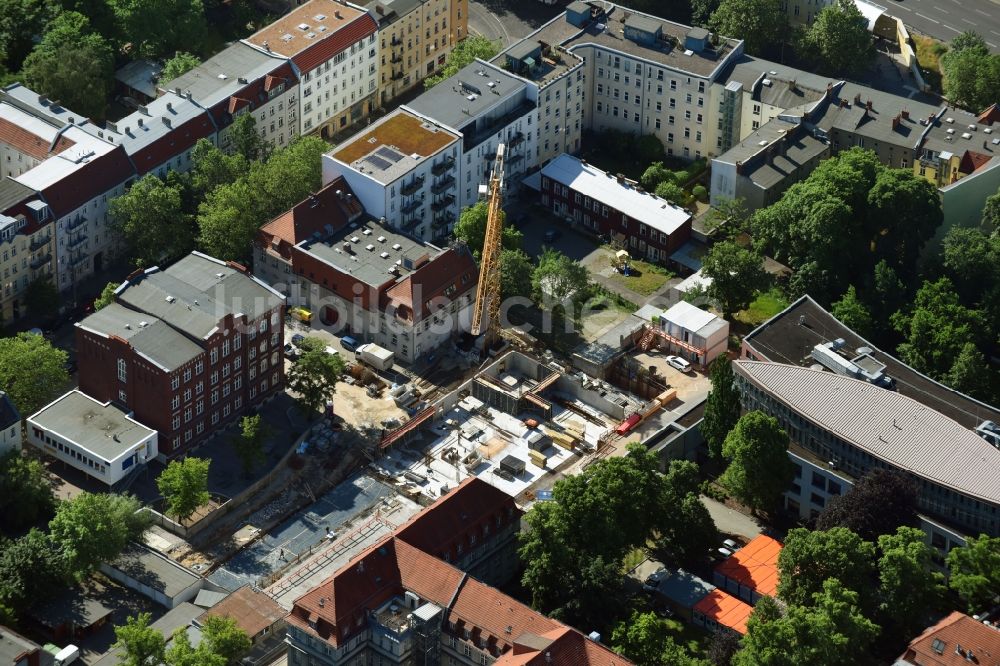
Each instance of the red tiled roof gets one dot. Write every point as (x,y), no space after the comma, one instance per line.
(237,103)
(990,115)
(310,216)
(252,611)
(432,280)
(453,516)
(725,609)
(179,140)
(341,40)
(92,179)
(958,639)
(755,565)
(493,612)
(568,648)
(31,144)
(971,161)
(253,94)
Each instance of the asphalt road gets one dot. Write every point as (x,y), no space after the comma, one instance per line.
(508,21)
(946,19)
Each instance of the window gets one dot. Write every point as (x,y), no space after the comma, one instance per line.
(225,348)
(187,415)
(199,367)
(122,396)
(122,372)
(176,422)
(214,356)
(187,395)
(187,375)
(175,402)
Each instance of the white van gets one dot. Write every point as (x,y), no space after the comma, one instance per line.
(67,655)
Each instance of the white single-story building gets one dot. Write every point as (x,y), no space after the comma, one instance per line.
(97,438)
(693,333)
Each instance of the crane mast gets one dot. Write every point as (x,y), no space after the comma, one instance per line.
(486,314)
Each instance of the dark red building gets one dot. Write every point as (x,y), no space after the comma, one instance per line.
(187,349)
(607,205)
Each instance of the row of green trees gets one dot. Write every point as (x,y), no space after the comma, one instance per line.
(221,203)
(971,72)
(222,643)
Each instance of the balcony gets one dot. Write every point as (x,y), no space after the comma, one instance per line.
(412,206)
(396,76)
(76,223)
(443,220)
(411,223)
(445,165)
(412,187)
(39,243)
(442,204)
(38,262)
(443,185)
(78,259)
(516,140)
(396,41)
(76,241)
(396,58)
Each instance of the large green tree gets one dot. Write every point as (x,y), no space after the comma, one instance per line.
(42,297)
(246,139)
(141,644)
(515,274)
(22,23)
(212,168)
(32,371)
(315,374)
(151,218)
(974,572)
(990,219)
(182,653)
(156,28)
(759,470)
(737,273)
(223,636)
(838,40)
(646,640)
(722,408)
(93,528)
(25,492)
(937,328)
(761,24)
(471,228)
(184,486)
(880,502)
(249,444)
(970,373)
(181,63)
(107,296)
(464,53)
(909,587)
(809,558)
(73,65)
(559,283)
(853,312)
(31,570)
(971,72)
(831,629)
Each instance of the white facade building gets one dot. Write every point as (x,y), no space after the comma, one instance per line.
(99,439)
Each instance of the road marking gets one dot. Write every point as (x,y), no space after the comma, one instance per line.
(984,13)
(995,33)
(927,18)
(991,45)
(940,10)
(945,25)
(968,21)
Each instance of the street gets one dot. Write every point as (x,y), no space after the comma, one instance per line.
(507,21)
(946,19)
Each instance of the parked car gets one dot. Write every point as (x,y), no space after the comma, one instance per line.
(731,545)
(722,553)
(679,363)
(653,580)
(291,352)
(297,338)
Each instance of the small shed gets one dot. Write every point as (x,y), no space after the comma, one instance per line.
(71,616)
(155,576)
(254,612)
(512,465)
(682,591)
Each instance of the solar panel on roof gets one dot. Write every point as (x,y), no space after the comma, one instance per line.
(378,162)
(389,154)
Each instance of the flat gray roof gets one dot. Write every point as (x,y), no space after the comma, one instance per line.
(748,69)
(369,266)
(154,570)
(959,131)
(607,33)
(140,75)
(462,98)
(148,335)
(393,9)
(196,292)
(104,430)
(683,588)
(14,646)
(218,77)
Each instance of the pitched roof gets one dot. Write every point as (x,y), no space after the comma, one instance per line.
(314,32)
(96,177)
(972,160)
(725,609)
(252,611)
(168,126)
(451,516)
(329,207)
(8,412)
(990,115)
(37,145)
(14,647)
(453,268)
(148,335)
(885,425)
(957,639)
(755,565)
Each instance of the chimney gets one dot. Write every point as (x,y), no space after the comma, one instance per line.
(857,98)
(170,106)
(868,105)
(242,79)
(739,168)
(905,114)
(791,85)
(337,13)
(166,121)
(140,122)
(930,119)
(895,122)
(267,47)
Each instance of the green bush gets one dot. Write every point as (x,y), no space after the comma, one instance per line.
(700,193)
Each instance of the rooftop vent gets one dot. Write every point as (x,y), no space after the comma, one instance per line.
(286,37)
(320,17)
(397,246)
(950,131)
(384,255)
(170,299)
(223,77)
(966,135)
(767,82)
(367,232)
(303,26)
(310,35)
(949,120)
(143,324)
(972,128)
(381,239)
(762,142)
(354,239)
(369,247)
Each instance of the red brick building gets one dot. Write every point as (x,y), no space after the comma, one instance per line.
(186,349)
(398,603)
(650,227)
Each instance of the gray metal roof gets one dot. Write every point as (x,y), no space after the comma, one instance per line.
(154,570)
(13,646)
(648,23)
(875,124)
(958,131)
(683,588)
(218,77)
(140,75)
(523,49)
(149,335)
(196,292)
(460,99)
(104,430)
(886,425)
(747,70)
(12,192)
(8,411)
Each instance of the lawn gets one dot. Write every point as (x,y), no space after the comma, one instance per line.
(695,639)
(766,305)
(929,52)
(644,278)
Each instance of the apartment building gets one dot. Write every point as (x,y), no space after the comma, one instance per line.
(185,349)
(404,169)
(958,144)
(397,603)
(334,49)
(27,246)
(365,278)
(242,79)
(10,425)
(693,333)
(74,168)
(415,38)
(613,207)
(97,438)
(486,106)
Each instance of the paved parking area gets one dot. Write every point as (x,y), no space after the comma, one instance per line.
(508,21)
(302,531)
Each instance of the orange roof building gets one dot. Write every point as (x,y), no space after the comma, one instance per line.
(721,610)
(752,571)
(957,639)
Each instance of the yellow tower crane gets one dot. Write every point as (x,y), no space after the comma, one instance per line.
(486,314)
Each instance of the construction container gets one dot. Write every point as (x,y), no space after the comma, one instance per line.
(537,458)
